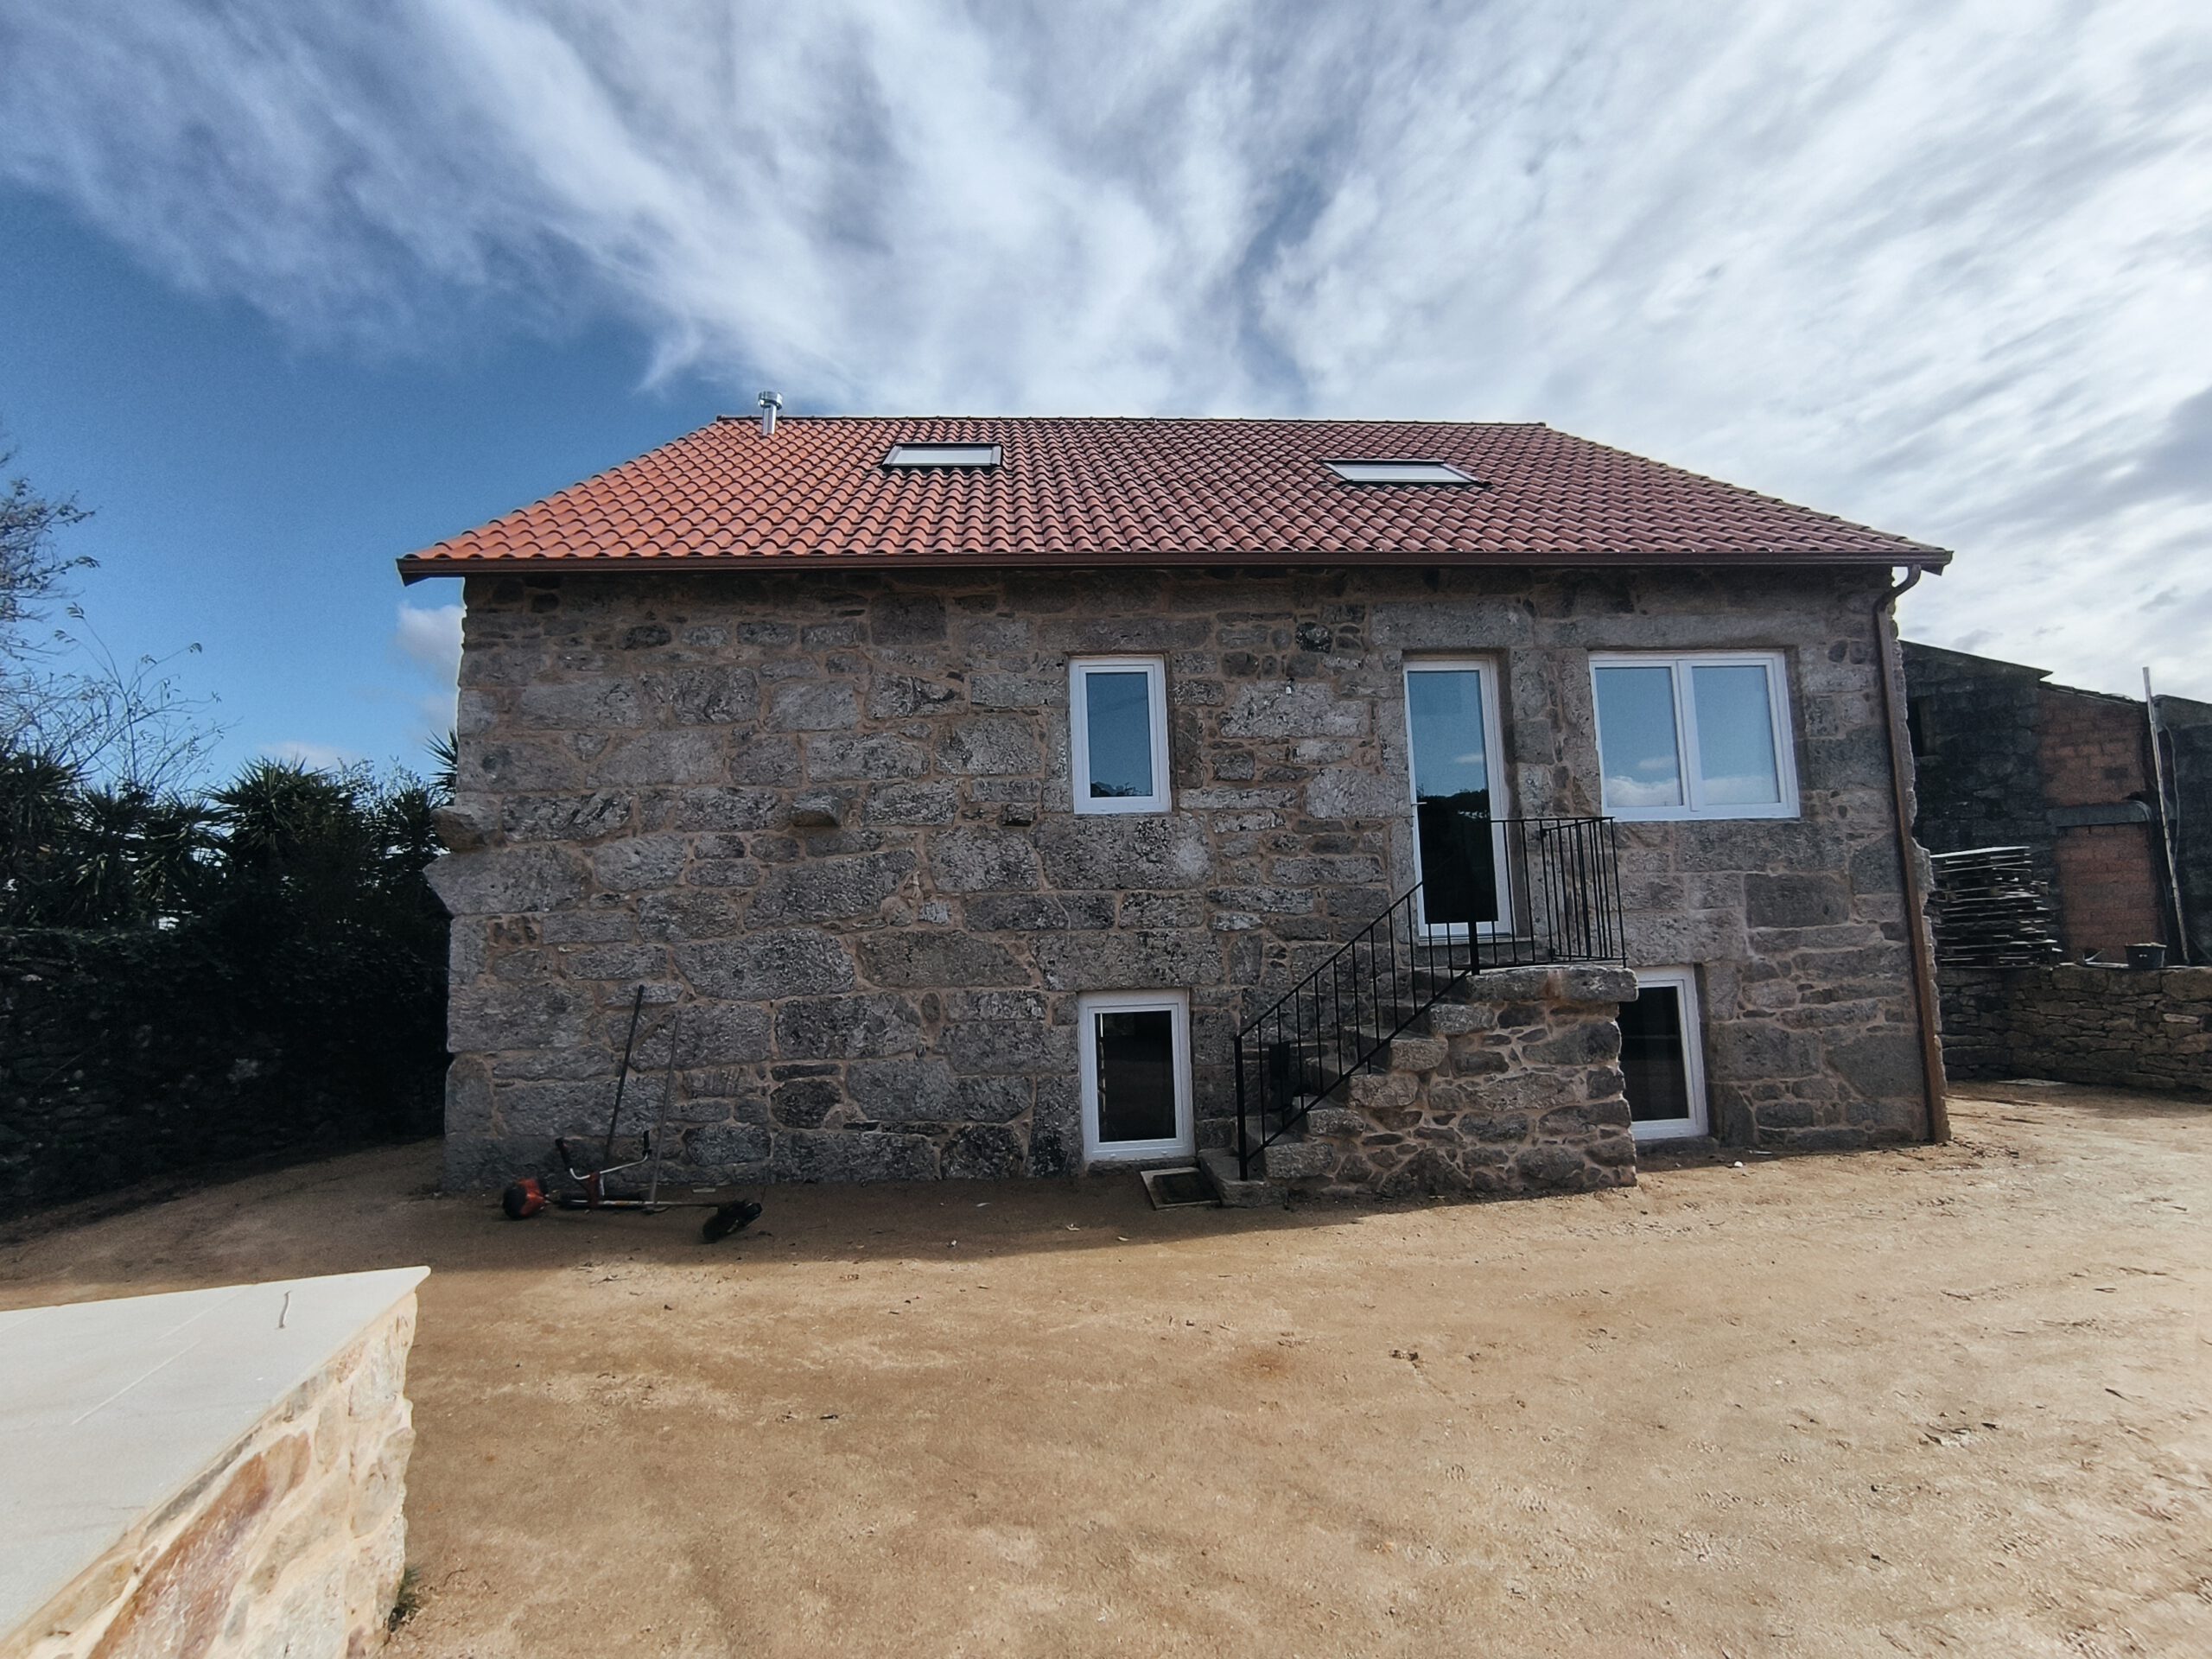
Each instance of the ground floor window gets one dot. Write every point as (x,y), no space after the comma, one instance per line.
(1135,1049)
(1661,1066)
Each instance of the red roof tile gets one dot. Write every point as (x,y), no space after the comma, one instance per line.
(1084,490)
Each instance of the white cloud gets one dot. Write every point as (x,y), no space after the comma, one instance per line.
(430,635)
(1937,267)
(318,757)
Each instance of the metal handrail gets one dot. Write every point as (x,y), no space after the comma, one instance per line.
(1511,893)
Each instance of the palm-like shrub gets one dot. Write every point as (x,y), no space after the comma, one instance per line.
(189,980)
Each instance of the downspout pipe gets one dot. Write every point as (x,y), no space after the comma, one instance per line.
(1916,898)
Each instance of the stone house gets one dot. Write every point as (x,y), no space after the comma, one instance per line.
(1376,806)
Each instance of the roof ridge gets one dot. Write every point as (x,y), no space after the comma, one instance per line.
(783,419)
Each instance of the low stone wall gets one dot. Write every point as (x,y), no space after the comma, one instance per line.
(293,1542)
(2080,1025)
(1512,1086)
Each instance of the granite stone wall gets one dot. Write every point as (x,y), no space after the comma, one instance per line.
(1512,1085)
(825,819)
(2103,1026)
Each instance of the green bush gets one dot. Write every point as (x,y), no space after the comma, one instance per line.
(189,982)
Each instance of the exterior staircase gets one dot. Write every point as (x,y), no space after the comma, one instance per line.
(1288,1150)
(1359,1012)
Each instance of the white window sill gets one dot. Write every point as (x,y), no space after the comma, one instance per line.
(1666,1129)
(1690,815)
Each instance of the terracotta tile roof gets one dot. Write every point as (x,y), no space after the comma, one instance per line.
(1084,490)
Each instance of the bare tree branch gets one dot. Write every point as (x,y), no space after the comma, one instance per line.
(131,723)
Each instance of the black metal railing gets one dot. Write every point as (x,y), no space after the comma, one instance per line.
(1497,893)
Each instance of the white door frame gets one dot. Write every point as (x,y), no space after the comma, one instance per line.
(1177,1004)
(1683,981)
(1500,800)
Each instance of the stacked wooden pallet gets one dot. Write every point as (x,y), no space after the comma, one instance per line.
(1990,911)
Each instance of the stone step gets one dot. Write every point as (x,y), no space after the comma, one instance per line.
(1354,1039)
(1222,1131)
(1219,1164)
(1283,1161)
(1335,1121)
(1426,982)
(1288,1160)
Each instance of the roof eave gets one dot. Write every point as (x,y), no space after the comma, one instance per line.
(417,567)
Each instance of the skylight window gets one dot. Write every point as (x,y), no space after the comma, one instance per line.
(942,454)
(1397,471)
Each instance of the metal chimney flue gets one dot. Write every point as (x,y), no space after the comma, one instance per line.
(770,402)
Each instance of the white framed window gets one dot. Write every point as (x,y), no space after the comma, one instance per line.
(1117,745)
(1663,1058)
(1454,751)
(1694,734)
(1134,1050)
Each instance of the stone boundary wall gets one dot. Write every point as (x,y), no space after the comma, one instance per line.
(292,1543)
(1515,1088)
(2080,1025)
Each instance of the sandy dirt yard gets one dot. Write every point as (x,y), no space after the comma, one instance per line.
(1942,1401)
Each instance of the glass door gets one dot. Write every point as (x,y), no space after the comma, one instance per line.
(1134,1050)
(1452,732)
(1662,1069)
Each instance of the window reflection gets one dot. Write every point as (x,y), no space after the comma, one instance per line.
(1117,707)
(1735,735)
(1635,726)
(1448,723)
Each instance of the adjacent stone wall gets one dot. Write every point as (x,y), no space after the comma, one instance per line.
(1513,1087)
(826,817)
(295,1545)
(2080,1025)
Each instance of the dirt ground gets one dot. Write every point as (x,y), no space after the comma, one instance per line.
(1942,1401)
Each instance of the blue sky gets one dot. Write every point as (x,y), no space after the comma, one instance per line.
(252,489)
(289,289)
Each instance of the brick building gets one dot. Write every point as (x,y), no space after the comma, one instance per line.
(2004,758)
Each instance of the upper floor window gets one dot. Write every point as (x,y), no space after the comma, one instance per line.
(1699,735)
(1118,737)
